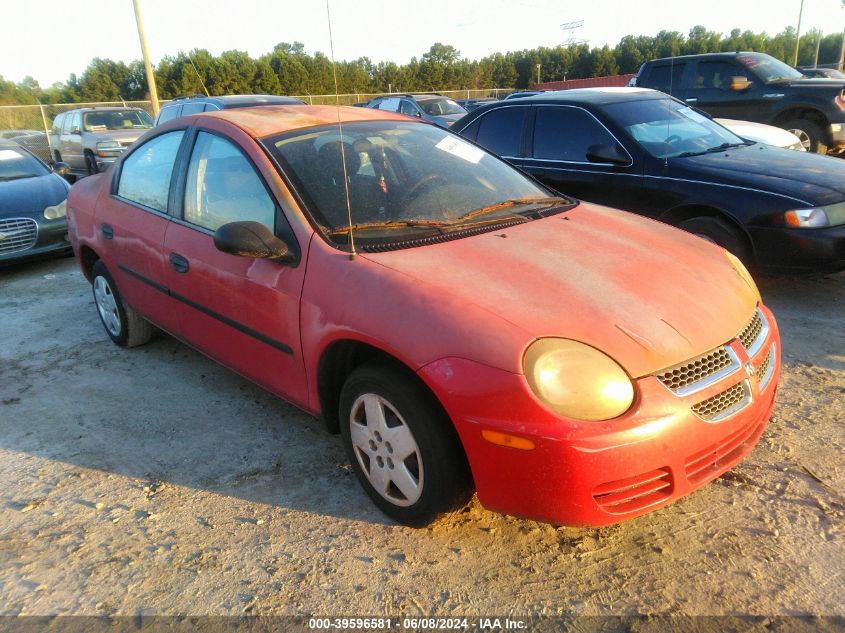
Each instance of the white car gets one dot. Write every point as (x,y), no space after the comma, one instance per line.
(761,133)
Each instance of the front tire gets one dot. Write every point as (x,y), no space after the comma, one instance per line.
(810,134)
(91,164)
(125,327)
(403,448)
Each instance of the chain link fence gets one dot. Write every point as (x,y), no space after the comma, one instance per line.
(29,125)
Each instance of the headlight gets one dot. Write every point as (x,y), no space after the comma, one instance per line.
(577,380)
(56,211)
(742,271)
(830,215)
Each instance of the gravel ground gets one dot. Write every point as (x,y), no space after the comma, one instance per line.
(154,481)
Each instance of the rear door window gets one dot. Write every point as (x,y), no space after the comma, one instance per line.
(192,108)
(168,113)
(146,172)
(666,77)
(500,130)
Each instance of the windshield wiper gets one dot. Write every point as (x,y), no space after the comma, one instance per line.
(389,224)
(514,202)
(713,150)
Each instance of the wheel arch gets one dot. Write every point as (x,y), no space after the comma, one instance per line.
(804,112)
(87,258)
(338,360)
(679,214)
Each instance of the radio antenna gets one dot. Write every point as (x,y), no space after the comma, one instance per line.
(352,253)
(202,83)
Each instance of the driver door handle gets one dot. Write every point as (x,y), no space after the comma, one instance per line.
(178,263)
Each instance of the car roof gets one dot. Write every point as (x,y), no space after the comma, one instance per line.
(238,101)
(104,109)
(705,55)
(598,96)
(276,119)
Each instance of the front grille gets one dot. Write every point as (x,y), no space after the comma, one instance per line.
(715,459)
(681,377)
(754,334)
(18,234)
(634,493)
(724,404)
(766,368)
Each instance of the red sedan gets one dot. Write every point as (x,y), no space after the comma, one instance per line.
(460,325)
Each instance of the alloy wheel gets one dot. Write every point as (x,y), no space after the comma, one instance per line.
(107,305)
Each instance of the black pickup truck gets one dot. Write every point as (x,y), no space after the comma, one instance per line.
(755,87)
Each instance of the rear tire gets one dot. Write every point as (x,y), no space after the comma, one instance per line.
(125,327)
(811,135)
(719,232)
(403,448)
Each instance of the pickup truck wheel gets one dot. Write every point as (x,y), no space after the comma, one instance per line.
(124,326)
(811,135)
(719,232)
(91,164)
(402,446)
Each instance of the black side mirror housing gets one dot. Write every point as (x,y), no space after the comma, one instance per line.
(63,169)
(252,239)
(607,153)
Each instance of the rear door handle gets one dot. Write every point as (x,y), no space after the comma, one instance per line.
(108,232)
(178,263)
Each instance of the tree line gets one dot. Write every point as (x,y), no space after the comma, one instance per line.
(290,70)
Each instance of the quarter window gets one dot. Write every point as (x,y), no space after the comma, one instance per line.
(222,186)
(501,130)
(57,124)
(563,133)
(145,174)
(167,113)
(192,108)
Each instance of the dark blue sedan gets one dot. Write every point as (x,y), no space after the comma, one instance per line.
(640,150)
(33,207)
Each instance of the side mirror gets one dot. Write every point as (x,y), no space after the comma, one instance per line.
(63,169)
(740,83)
(74,130)
(418,115)
(607,153)
(252,239)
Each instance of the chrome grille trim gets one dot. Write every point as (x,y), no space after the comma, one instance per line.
(20,234)
(722,362)
(755,333)
(724,404)
(766,368)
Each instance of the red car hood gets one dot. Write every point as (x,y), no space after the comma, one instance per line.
(641,291)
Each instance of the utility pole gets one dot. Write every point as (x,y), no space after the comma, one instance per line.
(842,53)
(797,34)
(538,74)
(151,79)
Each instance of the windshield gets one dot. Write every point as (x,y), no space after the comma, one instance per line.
(666,128)
(116,120)
(17,163)
(768,68)
(439,107)
(403,178)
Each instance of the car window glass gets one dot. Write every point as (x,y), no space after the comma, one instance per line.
(408,108)
(57,124)
(66,123)
(16,164)
(145,174)
(566,133)
(192,108)
(501,129)
(471,130)
(168,113)
(666,77)
(222,186)
(74,123)
(391,104)
(717,75)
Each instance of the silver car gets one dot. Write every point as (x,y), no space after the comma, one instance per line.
(91,139)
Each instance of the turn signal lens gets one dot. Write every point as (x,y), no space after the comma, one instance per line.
(576,380)
(505,439)
(807,218)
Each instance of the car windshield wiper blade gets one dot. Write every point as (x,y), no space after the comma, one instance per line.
(713,150)
(389,224)
(514,202)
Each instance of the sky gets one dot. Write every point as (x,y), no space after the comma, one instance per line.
(61,37)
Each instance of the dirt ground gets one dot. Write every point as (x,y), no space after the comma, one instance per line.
(154,481)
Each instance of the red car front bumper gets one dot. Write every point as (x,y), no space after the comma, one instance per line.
(596,473)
